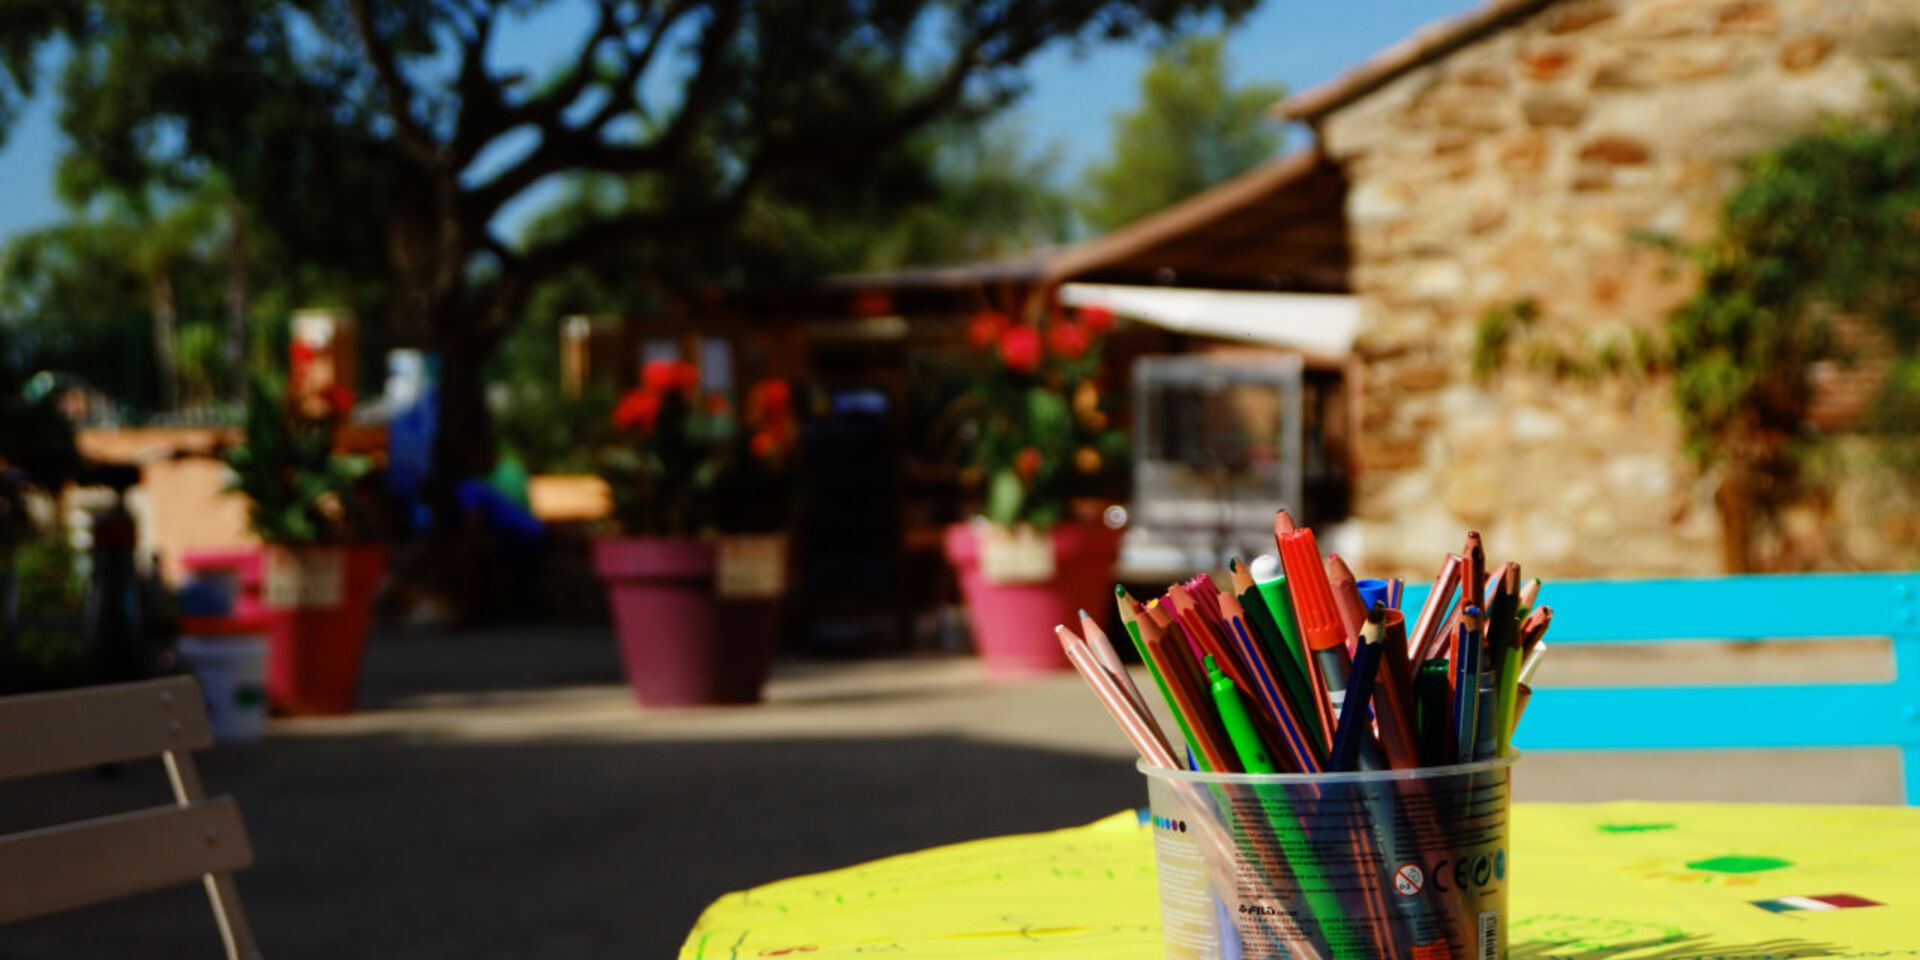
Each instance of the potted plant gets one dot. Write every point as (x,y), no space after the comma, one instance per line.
(1039,443)
(323,563)
(694,611)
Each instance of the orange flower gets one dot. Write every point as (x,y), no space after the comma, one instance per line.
(1020,348)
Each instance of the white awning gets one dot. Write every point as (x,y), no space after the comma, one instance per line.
(1315,323)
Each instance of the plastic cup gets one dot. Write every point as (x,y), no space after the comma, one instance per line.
(1400,864)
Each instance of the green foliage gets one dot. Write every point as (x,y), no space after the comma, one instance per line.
(1823,227)
(1192,130)
(41,646)
(364,135)
(201,363)
(300,490)
(1498,327)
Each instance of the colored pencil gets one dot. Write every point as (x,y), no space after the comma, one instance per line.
(1466,685)
(1347,600)
(1422,642)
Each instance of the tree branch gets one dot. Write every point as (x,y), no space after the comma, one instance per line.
(583,148)
(482,108)
(398,95)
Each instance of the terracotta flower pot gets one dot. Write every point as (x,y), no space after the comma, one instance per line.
(1013,621)
(680,644)
(321,601)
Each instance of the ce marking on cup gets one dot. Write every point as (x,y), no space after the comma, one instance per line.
(1467,872)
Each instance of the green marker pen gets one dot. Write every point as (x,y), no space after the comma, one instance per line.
(1301,855)
(1272,585)
(1233,715)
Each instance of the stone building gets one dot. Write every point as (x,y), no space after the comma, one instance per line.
(1510,157)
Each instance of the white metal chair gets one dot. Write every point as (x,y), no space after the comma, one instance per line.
(105,858)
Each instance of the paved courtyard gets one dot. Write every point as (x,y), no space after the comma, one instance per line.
(503,797)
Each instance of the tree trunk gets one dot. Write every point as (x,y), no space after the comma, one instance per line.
(163,324)
(1734,498)
(239,293)
(463,440)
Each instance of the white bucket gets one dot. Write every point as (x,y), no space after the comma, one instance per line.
(233,677)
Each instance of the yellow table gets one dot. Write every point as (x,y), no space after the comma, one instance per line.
(1617,881)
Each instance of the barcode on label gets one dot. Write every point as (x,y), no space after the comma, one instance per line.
(1490,935)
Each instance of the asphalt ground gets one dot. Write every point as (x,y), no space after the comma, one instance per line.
(502,796)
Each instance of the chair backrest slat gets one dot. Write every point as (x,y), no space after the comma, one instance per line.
(1813,606)
(1752,607)
(76,864)
(73,730)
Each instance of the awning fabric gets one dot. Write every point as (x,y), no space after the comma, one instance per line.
(1314,323)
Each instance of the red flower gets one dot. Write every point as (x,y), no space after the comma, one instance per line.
(1020,348)
(1067,339)
(763,445)
(985,328)
(1099,320)
(664,375)
(769,399)
(659,375)
(638,410)
(1027,463)
(339,400)
(716,403)
(686,378)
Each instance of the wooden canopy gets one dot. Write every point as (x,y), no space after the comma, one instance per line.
(1281,226)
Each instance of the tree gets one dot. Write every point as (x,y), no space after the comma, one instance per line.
(325,109)
(1192,130)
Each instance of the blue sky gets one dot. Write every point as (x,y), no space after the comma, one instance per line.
(1072,101)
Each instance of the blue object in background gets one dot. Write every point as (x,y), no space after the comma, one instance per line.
(520,534)
(206,596)
(412,398)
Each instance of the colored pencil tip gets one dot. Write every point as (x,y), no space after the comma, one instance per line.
(1378,613)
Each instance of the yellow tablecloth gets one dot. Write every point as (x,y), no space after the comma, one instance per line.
(1632,881)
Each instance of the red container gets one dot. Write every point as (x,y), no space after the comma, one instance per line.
(679,645)
(316,650)
(1013,622)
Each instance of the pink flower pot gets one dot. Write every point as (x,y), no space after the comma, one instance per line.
(1013,622)
(679,645)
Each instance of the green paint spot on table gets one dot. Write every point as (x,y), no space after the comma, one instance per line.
(1634,827)
(1738,864)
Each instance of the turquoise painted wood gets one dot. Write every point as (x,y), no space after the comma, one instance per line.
(1752,608)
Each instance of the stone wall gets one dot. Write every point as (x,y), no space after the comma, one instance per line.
(1517,168)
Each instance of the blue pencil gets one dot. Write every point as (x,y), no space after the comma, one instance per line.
(1354,714)
(1466,686)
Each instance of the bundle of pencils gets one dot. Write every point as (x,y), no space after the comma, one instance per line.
(1302,668)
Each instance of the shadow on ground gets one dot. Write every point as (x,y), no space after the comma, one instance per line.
(379,847)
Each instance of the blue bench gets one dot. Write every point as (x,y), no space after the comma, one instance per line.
(1771,607)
